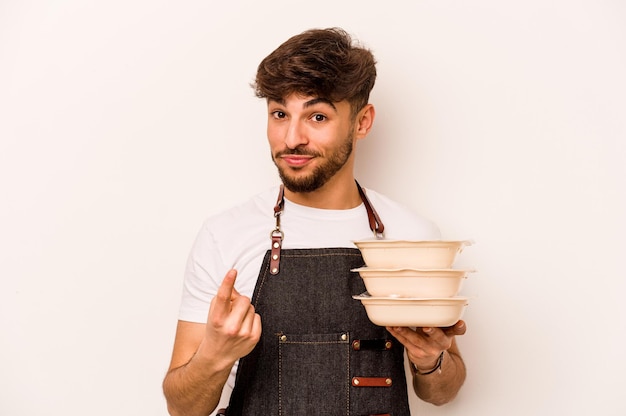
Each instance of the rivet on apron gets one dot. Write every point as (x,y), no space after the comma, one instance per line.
(344,337)
(388,381)
(388,345)
(283,338)
(356,345)
(274,270)
(355,381)
(276,245)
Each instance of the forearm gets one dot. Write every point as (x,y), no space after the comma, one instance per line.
(195,388)
(440,387)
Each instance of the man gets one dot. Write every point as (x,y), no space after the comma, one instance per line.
(291,332)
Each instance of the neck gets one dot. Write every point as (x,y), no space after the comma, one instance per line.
(335,194)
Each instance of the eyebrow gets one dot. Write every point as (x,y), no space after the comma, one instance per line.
(311,102)
(318,100)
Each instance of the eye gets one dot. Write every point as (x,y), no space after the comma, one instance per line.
(279,114)
(318,117)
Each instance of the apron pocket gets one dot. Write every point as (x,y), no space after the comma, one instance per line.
(313,369)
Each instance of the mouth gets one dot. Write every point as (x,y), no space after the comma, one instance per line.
(296,161)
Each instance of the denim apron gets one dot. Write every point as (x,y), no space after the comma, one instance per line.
(318,354)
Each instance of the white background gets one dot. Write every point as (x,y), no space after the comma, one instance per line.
(123,124)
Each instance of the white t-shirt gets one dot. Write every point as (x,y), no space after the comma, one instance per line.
(239,238)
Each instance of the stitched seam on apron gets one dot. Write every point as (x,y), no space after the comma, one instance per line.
(347,384)
(280,379)
(265,272)
(321,255)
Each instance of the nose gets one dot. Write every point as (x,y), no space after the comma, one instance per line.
(295,135)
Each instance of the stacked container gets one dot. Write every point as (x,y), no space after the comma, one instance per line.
(412,283)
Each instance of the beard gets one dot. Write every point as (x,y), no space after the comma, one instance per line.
(322,173)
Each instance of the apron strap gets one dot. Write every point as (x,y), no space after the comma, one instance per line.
(277,235)
(376,225)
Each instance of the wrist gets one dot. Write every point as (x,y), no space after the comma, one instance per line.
(206,357)
(429,370)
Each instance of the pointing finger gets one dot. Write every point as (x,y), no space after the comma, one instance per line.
(225,294)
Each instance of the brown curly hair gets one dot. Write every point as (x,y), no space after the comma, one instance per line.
(322,63)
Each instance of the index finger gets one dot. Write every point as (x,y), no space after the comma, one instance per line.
(224,294)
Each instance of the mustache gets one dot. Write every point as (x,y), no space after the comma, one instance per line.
(298,151)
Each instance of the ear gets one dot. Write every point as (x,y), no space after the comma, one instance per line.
(364,121)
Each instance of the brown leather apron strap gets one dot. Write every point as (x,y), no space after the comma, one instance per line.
(376,225)
(277,235)
(372,344)
(280,202)
(371,382)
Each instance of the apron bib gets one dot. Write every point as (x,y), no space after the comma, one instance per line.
(319,354)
